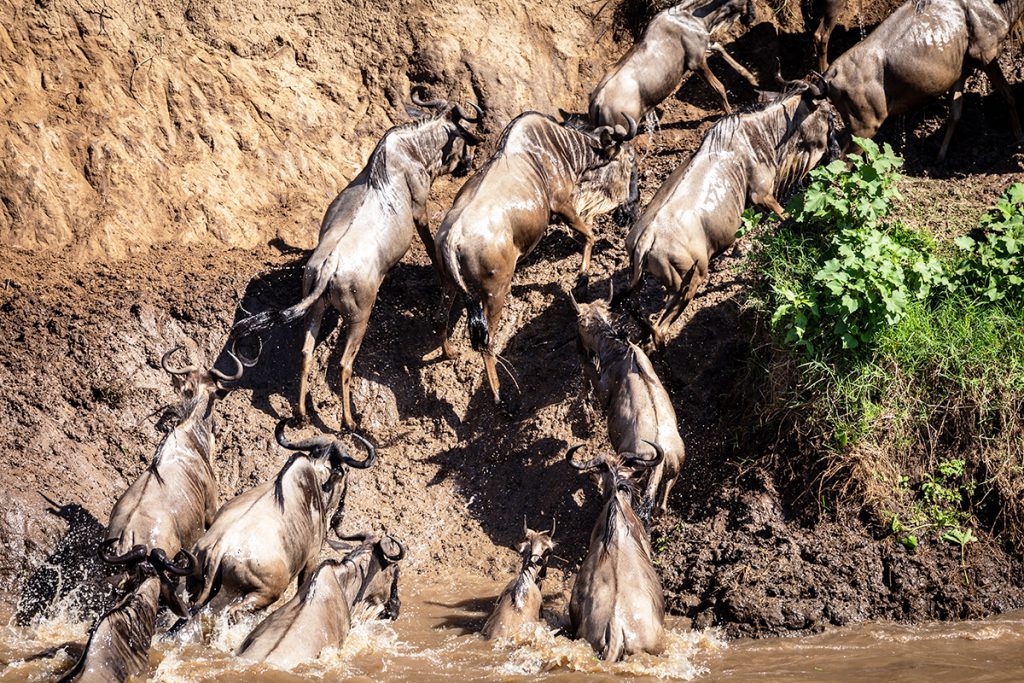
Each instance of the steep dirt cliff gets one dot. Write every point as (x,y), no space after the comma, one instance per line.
(130,124)
(162,163)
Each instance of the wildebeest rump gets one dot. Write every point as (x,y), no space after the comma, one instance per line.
(520,601)
(367,229)
(540,168)
(676,42)
(617,602)
(119,641)
(750,156)
(639,409)
(266,536)
(320,614)
(922,50)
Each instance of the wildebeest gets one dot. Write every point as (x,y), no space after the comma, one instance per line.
(617,602)
(173,501)
(922,50)
(639,409)
(827,12)
(119,641)
(675,43)
(520,602)
(320,614)
(367,229)
(749,156)
(266,536)
(540,168)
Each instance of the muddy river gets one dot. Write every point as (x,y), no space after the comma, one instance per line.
(435,640)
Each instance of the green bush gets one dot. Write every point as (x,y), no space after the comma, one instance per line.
(895,354)
(992,263)
(865,270)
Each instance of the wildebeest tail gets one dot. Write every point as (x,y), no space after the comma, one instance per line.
(479,335)
(261,322)
(613,643)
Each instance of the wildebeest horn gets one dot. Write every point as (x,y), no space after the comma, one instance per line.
(401,549)
(371,454)
(588,465)
(635,460)
(160,560)
(630,131)
(136,554)
(554,523)
(526,529)
(239,368)
(175,371)
(430,104)
(572,298)
(463,115)
(304,445)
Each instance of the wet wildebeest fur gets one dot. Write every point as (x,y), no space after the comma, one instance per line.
(540,168)
(119,641)
(261,539)
(675,43)
(367,229)
(320,615)
(639,409)
(166,510)
(922,50)
(617,603)
(748,157)
(520,602)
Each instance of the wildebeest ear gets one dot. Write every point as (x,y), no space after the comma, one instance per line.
(605,136)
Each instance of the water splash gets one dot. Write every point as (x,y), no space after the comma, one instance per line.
(537,649)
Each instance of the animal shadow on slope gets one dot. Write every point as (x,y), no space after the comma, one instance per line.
(72,576)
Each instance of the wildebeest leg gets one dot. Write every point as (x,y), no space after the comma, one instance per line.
(713,81)
(956,108)
(998,80)
(423,228)
(313,318)
(569,215)
(444,320)
(739,68)
(666,489)
(356,331)
(821,36)
(678,302)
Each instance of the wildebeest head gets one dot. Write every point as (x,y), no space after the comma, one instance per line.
(450,119)
(613,472)
(196,384)
(330,459)
(535,548)
(375,583)
(612,180)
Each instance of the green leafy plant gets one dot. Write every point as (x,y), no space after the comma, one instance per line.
(961,538)
(992,259)
(869,271)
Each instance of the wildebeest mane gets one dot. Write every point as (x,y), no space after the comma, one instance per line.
(377,163)
(279,479)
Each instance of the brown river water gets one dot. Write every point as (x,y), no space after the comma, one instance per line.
(434,639)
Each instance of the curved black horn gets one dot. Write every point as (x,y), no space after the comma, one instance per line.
(175,371)
(136,554)
(429,104)
(554,523)
(401,549)
(359,537)
(463,115)
(634,460)
(160,560)
(630,130)
(371,454)
(588,465)
(304,445)
(239,368)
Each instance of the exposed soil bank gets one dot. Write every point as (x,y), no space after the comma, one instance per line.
(747,546)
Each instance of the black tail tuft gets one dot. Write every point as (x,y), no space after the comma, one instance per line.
(479,336)
(261,322)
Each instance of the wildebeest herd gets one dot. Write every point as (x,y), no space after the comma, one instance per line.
(176,548)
